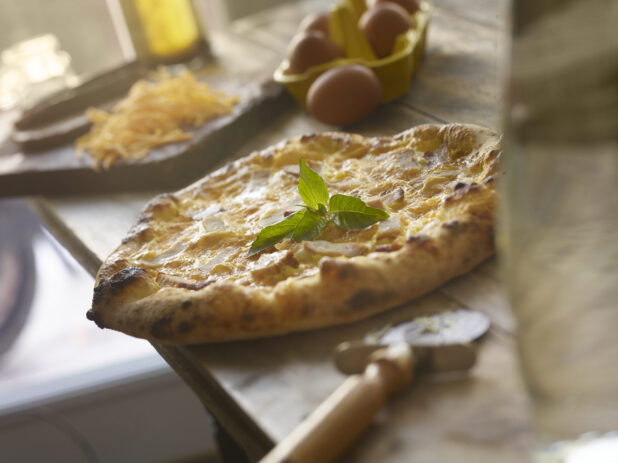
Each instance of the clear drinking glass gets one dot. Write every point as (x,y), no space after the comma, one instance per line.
(559,222)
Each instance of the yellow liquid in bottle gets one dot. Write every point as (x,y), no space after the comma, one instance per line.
(170,26)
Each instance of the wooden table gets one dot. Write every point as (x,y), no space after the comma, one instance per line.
(260,390)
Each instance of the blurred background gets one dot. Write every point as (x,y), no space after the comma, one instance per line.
(91,41)
(70,392)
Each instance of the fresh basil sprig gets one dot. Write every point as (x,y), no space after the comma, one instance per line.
(309,223)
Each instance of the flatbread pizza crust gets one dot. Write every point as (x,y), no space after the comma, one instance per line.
(182,274)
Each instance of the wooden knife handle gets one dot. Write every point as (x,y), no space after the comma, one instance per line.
(343,416)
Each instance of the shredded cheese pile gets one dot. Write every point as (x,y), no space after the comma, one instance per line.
(151,115)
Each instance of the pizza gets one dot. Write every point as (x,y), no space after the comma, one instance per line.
(183,273)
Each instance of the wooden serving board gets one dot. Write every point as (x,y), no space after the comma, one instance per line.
(55,168)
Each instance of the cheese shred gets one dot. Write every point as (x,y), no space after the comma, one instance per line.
(151,115)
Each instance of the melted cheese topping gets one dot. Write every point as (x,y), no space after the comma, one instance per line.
(423,178)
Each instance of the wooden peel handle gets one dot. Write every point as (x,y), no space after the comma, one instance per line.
(342,417)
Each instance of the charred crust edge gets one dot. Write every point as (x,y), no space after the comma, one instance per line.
(186,304)
(93,315)
(124,277)
(160,329)
(333,269)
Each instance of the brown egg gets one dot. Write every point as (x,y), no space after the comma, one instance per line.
(382,24)
(309,49)
(411,6)
(344,95)
(316,22)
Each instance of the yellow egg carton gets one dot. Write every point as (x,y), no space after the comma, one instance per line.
(394,71)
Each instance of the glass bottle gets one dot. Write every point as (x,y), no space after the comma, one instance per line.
(164,31)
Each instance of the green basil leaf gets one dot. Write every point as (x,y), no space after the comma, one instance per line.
(310,226)
(311,187)
(351,212)
(271,235)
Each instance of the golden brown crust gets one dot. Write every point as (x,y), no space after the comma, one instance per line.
(146,302)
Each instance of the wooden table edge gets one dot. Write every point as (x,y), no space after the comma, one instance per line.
(219,403)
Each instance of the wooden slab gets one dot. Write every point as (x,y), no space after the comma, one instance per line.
(58,170)
(492,13)
(274,383)
(275,27)
(61,117)
(458,79)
